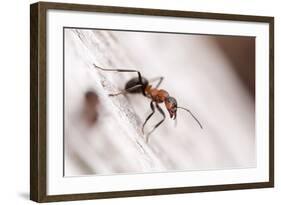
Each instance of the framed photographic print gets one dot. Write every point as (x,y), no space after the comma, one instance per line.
(134,102)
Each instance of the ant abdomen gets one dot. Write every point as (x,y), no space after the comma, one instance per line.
(132,85)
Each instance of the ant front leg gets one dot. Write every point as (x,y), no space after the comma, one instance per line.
(149,116)
(159,123)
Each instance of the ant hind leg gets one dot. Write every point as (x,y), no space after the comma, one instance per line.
(126,71)
(125,90)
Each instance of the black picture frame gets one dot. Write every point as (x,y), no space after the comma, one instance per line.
(38,100)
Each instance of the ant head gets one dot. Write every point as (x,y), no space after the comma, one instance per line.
(171,105)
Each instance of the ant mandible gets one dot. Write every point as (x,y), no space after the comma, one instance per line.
(140,85)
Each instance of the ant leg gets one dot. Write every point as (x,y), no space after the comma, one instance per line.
(155,79)
(159,123)
(126,90)
(125,70)
(149,116)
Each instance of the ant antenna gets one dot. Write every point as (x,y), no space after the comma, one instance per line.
(192,116)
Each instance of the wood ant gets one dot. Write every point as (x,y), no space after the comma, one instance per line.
(140,85)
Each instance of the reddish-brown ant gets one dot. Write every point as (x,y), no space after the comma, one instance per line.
(139,85)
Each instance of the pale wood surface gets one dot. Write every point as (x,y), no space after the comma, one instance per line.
(197,73)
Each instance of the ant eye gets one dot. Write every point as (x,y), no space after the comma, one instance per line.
(172,101)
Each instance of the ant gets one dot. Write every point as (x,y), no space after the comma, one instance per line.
(140,85)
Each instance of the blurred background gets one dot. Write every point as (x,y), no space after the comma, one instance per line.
(213,76)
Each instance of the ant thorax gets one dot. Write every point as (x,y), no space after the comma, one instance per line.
(156,95)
